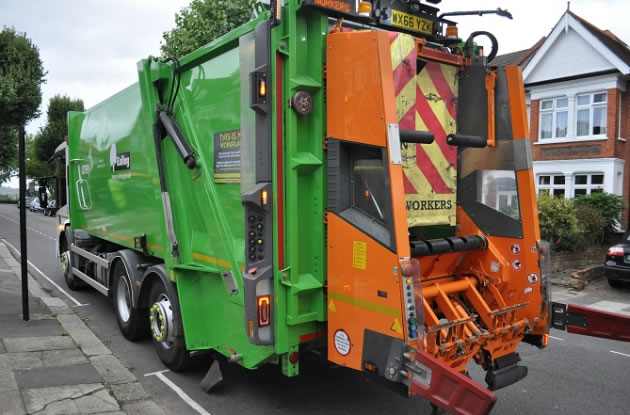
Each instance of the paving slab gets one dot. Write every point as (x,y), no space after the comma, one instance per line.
(20,360)
(142,408)
(57,376)
(48,358)
(11,403)
(128,392)
(65,399)
(33,344)
(82,335)
(7,381)
(13,326)
(112,370)
(99,401)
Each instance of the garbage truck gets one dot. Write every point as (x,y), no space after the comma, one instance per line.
(344,175)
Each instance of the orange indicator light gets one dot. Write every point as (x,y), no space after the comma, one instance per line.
(264,197)
(262,88)
(451,31)
(264,311)
(545,341)
(365,8)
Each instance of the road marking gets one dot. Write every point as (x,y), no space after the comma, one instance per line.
(623,354)
(5,270)
(74,300)
(28,227)
(194,405)
(556,338)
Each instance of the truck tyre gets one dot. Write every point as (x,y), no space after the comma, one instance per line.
(132,321)
(72,281)
(163,313)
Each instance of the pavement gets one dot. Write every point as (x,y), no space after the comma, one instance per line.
(53,363)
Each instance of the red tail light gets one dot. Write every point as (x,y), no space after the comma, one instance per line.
(615,251)
(264,311)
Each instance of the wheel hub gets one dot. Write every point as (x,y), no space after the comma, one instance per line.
(64,258)
(161,319)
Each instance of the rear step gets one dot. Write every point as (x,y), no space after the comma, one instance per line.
(505,372)
(448,245)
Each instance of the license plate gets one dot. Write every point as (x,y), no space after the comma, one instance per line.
(411,22)
(627,258)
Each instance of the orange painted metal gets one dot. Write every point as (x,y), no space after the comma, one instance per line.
(364,287)
(355,110)
(435,55)
(501,285)
(491,78)
(354,303)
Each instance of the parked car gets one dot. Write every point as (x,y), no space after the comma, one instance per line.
(51,209)
(28,200)
(617,263)
(35,206)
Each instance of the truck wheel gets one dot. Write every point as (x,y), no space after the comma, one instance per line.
(162,316)
(72,281)
(132,321)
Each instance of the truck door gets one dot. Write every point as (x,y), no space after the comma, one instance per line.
(367,226)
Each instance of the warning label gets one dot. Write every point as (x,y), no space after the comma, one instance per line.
(342,342)
(359,255)
(227,157)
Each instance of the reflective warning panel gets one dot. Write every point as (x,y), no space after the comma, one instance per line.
(426,100)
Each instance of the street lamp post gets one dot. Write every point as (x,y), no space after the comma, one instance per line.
(23,257)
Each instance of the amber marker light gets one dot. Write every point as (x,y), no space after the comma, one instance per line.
(264,197)
(451,31)
(545,339)
(262,88)
(365,9)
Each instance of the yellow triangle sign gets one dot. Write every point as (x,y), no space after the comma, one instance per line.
(396,326)
(331,305)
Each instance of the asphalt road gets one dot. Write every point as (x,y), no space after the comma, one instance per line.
(573,375)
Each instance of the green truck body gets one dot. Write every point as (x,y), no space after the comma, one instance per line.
(115,190)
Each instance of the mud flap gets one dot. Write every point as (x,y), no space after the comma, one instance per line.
(451,390)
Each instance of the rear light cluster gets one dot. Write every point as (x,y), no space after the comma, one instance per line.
(615,251)
(264,310)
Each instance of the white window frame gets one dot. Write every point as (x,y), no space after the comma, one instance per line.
(591,109)
(589,186)
(553,111)
(551,187)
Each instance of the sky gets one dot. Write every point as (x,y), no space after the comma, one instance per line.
(90,48)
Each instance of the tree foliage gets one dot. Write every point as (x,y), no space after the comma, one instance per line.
(203,21)
(8,151)
(56,128)
(21,75)
(35,168)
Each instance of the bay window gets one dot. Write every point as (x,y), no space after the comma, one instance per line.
(554,116)
(591,114)
(579,116)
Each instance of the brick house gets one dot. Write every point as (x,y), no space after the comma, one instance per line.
(576,81)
